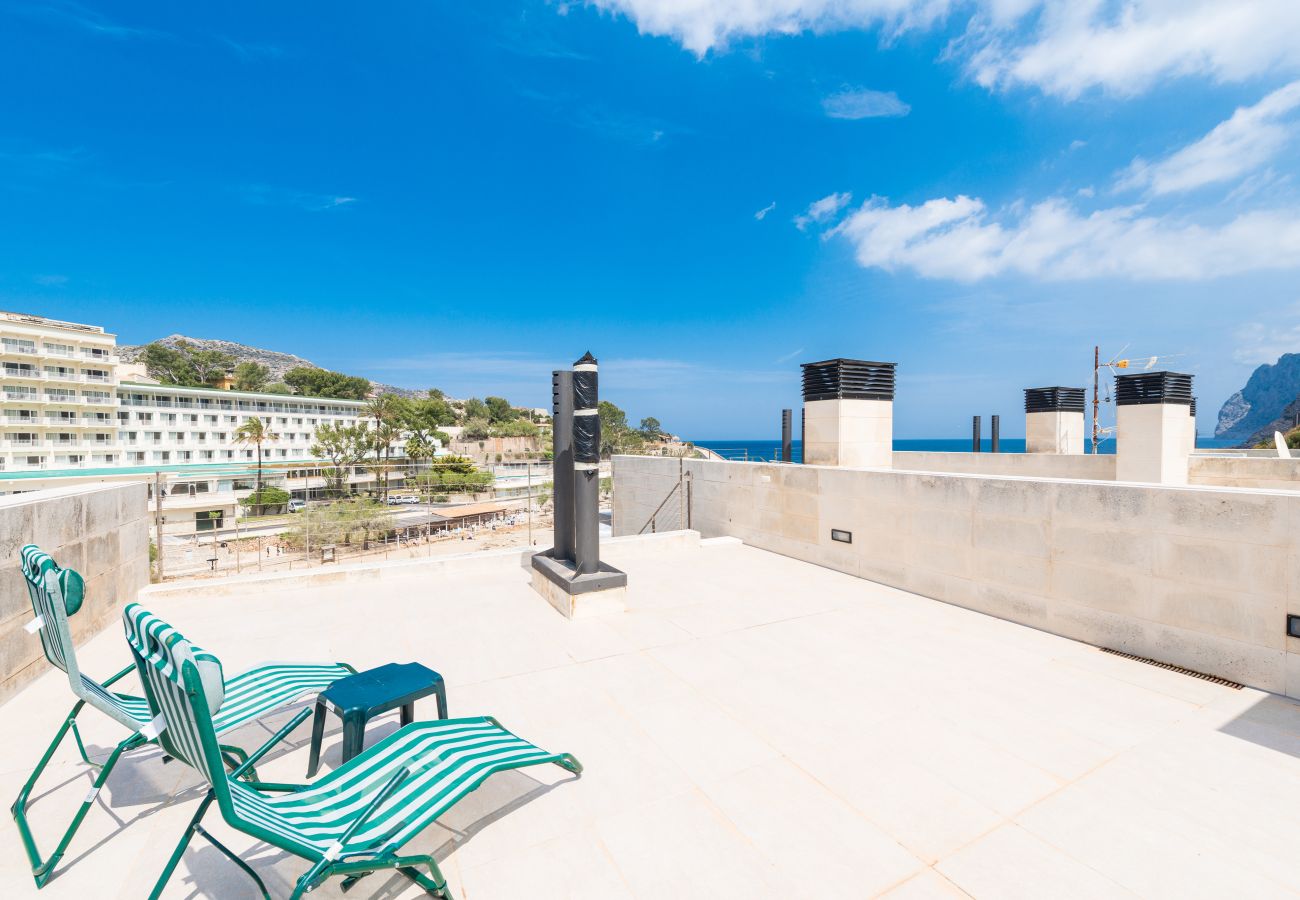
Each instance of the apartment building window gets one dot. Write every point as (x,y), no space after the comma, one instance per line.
(162,455)
(200,436)
(21,370)
(206,454)
(144,417)
(95,353)
(21,415)
(22,438)
(192,418)
(220,435)
(169,418)
(59,349)
(232,420)
(248,454)
(101,438)
(230,454)
(61,395)
(183,455)
(63,438)
(34,461)
(95,374)
(17,345)
(97,396)
(211,420)
(177,437)
(136,456)
(128,436)
(19,392)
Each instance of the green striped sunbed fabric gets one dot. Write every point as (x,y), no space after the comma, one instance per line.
(56,594)
(354,819)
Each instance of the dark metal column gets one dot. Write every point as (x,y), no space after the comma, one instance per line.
(787,440)
(562,478)
(975,434)
(586,466)
(994,424)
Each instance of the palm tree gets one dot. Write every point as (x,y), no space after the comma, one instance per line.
(386,410)
(256,432)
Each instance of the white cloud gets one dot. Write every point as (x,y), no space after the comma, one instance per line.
(704,25)
(1063,47)
(762,213)
(960,239)
(1125,48)
(1248,140)
(862,103)
(822,210)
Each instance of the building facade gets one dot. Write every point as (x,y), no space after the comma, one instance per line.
(72,411)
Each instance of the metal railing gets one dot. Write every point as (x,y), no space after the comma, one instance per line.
(674,511)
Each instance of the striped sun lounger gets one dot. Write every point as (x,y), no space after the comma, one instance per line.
(57,594)
(350,822)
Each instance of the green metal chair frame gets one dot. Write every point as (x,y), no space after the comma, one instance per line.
(56,593)
(351,822)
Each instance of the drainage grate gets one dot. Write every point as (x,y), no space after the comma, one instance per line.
(1215,679)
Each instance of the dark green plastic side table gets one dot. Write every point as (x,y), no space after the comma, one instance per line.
(358,698)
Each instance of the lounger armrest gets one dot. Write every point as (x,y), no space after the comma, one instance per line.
(335,852)
(122,674)
(275,739)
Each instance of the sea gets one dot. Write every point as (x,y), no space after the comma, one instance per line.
(768,450)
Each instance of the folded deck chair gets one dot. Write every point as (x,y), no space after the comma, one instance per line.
(56,594)
(352,821)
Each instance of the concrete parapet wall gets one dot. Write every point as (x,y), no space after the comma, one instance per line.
(612,550)
(1268,472)
(1091,467)
(102,531)
(1195,576)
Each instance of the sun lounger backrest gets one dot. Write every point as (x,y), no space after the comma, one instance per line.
(46,585)
(183,684)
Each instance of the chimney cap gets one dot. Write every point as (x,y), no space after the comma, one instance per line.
(848,379)
(587,360)
(1144,388)
(1054,399)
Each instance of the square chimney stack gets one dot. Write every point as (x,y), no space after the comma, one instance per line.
(848,413)
(1054,420)
(1152,422)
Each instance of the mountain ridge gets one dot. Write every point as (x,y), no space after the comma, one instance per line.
(1266,404)
(275,360)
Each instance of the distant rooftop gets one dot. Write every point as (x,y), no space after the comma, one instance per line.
(28,319)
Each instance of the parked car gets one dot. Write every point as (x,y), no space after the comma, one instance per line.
(297,505)
(410,499)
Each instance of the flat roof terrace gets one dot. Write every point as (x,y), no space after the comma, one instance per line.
(753,726)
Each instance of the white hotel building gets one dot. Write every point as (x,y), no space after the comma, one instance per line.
(74,412)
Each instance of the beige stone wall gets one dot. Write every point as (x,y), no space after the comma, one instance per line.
(1093,467)
(102,532)
(1195,576)
(1268,472)
(1152,442)
(848,432)
(1054,432)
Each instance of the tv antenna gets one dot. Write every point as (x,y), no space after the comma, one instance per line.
(1118,361)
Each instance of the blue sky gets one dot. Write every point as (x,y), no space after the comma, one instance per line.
(467,195)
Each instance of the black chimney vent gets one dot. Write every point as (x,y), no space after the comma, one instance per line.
(848,379)
(1053,399)
(1143,388)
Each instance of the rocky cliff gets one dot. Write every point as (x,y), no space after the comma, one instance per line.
(1264,405)
(277,362)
